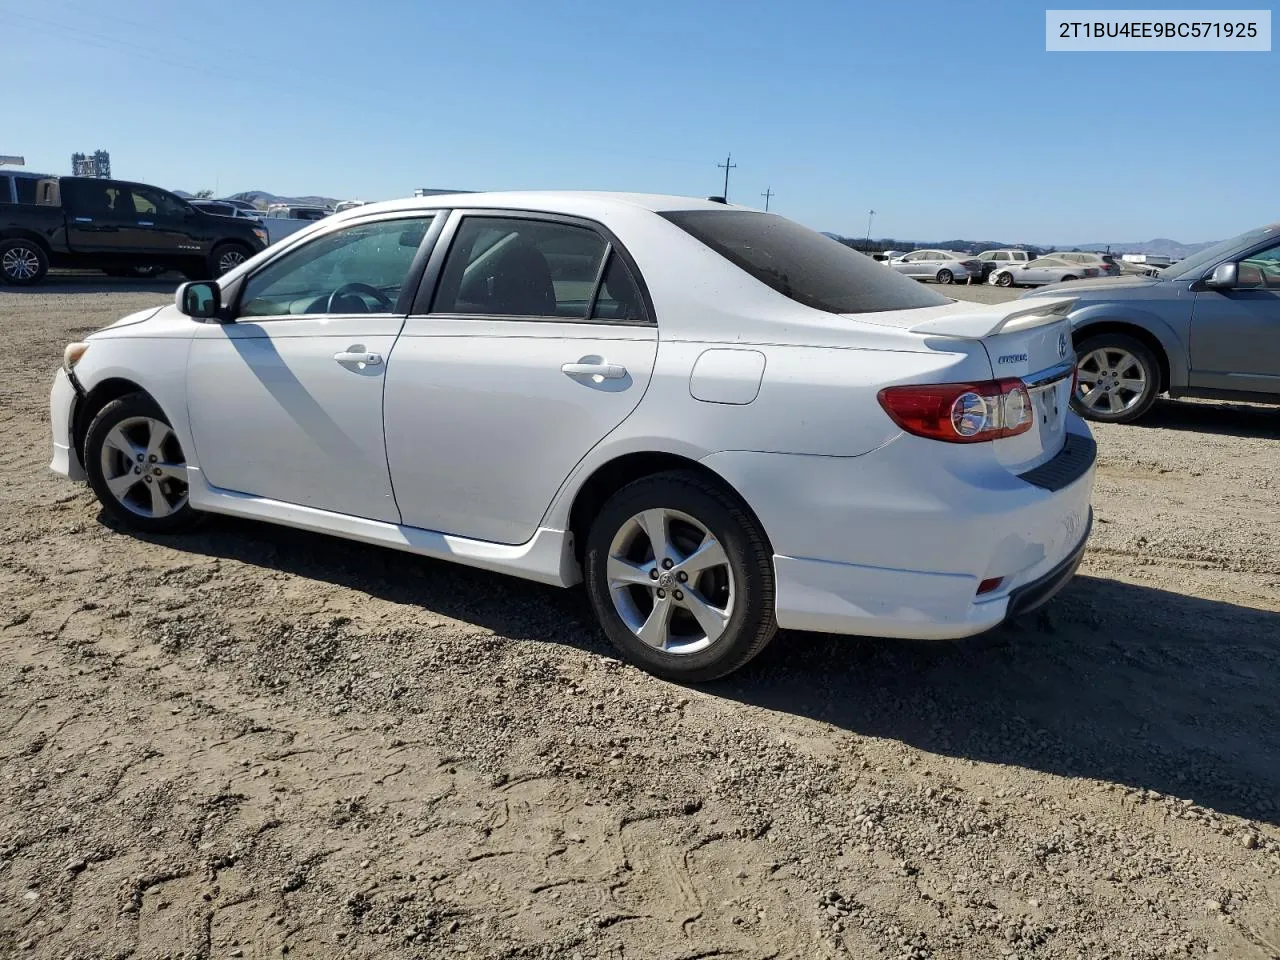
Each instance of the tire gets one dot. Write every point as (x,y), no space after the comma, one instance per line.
(1004,280)
(134,421)
(23,262)
(735,593)
(1068,278)
(147,272)
(1122,403)
(945,276)
(227,256)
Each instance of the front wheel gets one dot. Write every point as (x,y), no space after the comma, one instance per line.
(137,468)
(23,262)
(945,276)
(1117,378)
(1004,280)
(681,578)
(228,256)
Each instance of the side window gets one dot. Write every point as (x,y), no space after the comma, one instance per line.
(502,267)
(5,195)
(102,200)
(619,297)
(26,188)
(1261,268)
(358,269)
(155,203)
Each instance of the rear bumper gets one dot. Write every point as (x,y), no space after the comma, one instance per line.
(897,542)
(62,404)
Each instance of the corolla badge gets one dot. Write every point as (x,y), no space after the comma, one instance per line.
(1062,344)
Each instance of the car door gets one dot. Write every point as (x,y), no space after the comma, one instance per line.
(1235,334)
(914,263)
(285,402)
(536,344)
(161,223)
(99,215)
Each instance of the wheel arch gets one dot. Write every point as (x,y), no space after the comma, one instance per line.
(18,233)
(1128,329)
(88,406)
(612,475)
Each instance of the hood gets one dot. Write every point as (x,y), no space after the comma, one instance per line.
(1103,286)
(131,319)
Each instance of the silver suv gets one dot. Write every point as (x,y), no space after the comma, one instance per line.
(1207,326)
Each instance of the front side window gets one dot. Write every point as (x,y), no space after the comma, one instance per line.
(514,267)
(156,203)
(1261,269)
(358,269)
(802,264)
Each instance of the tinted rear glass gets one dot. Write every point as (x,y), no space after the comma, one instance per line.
(802,264)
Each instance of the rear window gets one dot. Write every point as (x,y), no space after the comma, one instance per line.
(802,264)
(26,189)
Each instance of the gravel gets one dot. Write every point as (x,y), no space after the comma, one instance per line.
(257,742)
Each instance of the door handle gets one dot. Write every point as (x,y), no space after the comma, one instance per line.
(606,371)
(373,359)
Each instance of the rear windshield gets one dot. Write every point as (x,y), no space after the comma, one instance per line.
(802,264)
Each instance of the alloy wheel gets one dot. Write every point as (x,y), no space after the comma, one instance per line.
(1110,381)
(20,263)
(229,260)
(670,581)
(144,467)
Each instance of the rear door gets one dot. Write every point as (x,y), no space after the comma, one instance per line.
(1235,334)
(100,215)
(537,343)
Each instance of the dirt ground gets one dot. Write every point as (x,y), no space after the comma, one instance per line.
(253,742)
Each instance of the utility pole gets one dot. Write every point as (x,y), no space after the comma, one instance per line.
(768,192)
(870,214)
(726,167)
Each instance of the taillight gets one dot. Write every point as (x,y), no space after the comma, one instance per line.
(960,412)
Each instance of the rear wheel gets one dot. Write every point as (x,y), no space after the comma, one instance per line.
(945,276)
(137,468)
(23,262)
(1069,276)
(1118,378)
(681,578)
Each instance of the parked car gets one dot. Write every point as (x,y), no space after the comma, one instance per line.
(1105,263)
(944,266)
(813,442)
(348,205)
(117,226)
(222,208)
(1207,326)
(993,259)
(283,219)
(1037,273)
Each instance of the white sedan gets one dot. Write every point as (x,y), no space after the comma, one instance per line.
(723,422)
(1041,272)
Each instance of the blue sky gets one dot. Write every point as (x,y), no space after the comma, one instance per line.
(950,120)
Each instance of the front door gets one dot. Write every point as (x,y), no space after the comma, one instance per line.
(286,402)
(1235,334)
(536,346)
(161,224)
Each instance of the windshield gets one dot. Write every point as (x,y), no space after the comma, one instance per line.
(802,264)
(1193,266)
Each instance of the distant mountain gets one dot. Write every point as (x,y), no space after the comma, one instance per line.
(1161,245)
(263,198)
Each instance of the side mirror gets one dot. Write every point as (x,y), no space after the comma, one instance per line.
(200,300)
(1224,277)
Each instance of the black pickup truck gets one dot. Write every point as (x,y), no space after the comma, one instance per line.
(114,226)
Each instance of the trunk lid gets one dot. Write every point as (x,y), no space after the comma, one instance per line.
(1030,340)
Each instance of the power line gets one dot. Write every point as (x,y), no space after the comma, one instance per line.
(726,167)
(768,192)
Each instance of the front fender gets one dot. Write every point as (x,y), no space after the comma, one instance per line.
(1173,341)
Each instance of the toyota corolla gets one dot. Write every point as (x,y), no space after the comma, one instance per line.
(721,421)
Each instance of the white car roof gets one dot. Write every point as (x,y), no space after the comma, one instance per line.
(585,203)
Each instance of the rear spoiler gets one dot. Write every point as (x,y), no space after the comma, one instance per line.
(1019,315)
